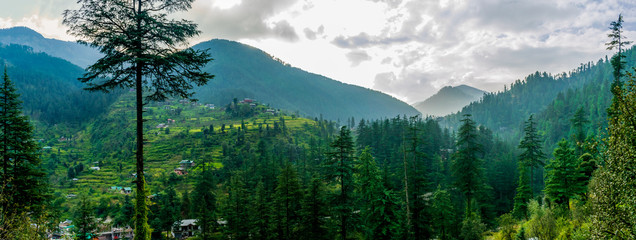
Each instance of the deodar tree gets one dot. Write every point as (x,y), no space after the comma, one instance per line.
(613,185)
(144,50)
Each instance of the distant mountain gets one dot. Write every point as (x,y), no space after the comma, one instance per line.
(449,100)
(49,88)
(247,72)
(73,52)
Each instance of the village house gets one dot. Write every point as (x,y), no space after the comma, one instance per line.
(95,168)
(186,164)
(117,233)
(185,229)
(126,190)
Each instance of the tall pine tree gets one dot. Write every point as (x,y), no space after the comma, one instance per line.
(204,199)
(532,155)
(141,50)
(23,180)
(563,175)
(339,169)
(467,166)
(613,187)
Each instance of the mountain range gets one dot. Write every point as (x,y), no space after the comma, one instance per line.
(73,52)
(246,72)
(449,100)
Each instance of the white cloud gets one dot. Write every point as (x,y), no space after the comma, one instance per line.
(408,48)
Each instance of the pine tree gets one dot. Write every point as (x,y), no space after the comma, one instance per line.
(23,181)
(314,211)
(84,220)
(339,169)
(612,188)
(169,210)
(467,166)
(287,203)
(578,124)
(532,155)
(204,199)
(235,208)
(618,41)
(523,195)
(378,206)
(125,214)
(186,205)
(141,51)
(260,213)
(443,214)
(563,175)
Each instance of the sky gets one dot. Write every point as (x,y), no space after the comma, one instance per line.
(406,48)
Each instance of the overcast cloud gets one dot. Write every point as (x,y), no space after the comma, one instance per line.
(407,48)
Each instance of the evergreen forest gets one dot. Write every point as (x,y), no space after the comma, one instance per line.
(125,149)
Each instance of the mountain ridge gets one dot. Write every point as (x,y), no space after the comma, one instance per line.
(73,52)
(448,100)
(243,71)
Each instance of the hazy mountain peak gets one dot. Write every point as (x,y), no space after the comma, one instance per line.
(73,52)
(448,100)
(20,32)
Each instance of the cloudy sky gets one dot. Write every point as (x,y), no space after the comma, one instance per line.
(407,48)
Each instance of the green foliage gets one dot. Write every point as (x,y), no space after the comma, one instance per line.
(613,188)
(524,194)
(339,169)
(84,220)
(542,223)
(443,214)
(23,181)
(49,88)
(619,42)
(234,208)
(169,210)
(521,234)
(379,207)
(205,197)
(287,203)
(314,211)
(472,227)
(507,227)
(563,176)
(532,156)
(467,166)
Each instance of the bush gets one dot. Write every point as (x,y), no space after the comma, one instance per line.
(472,227)
(542,223)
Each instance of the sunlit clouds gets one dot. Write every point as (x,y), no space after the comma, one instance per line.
(407,48)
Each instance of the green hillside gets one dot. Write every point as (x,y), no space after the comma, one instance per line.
(553,99)
(175,130)
(246,72)
(49,87)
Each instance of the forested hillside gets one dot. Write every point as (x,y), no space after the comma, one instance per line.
(246,72)
(71,51)
(49,87)
(553,99)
